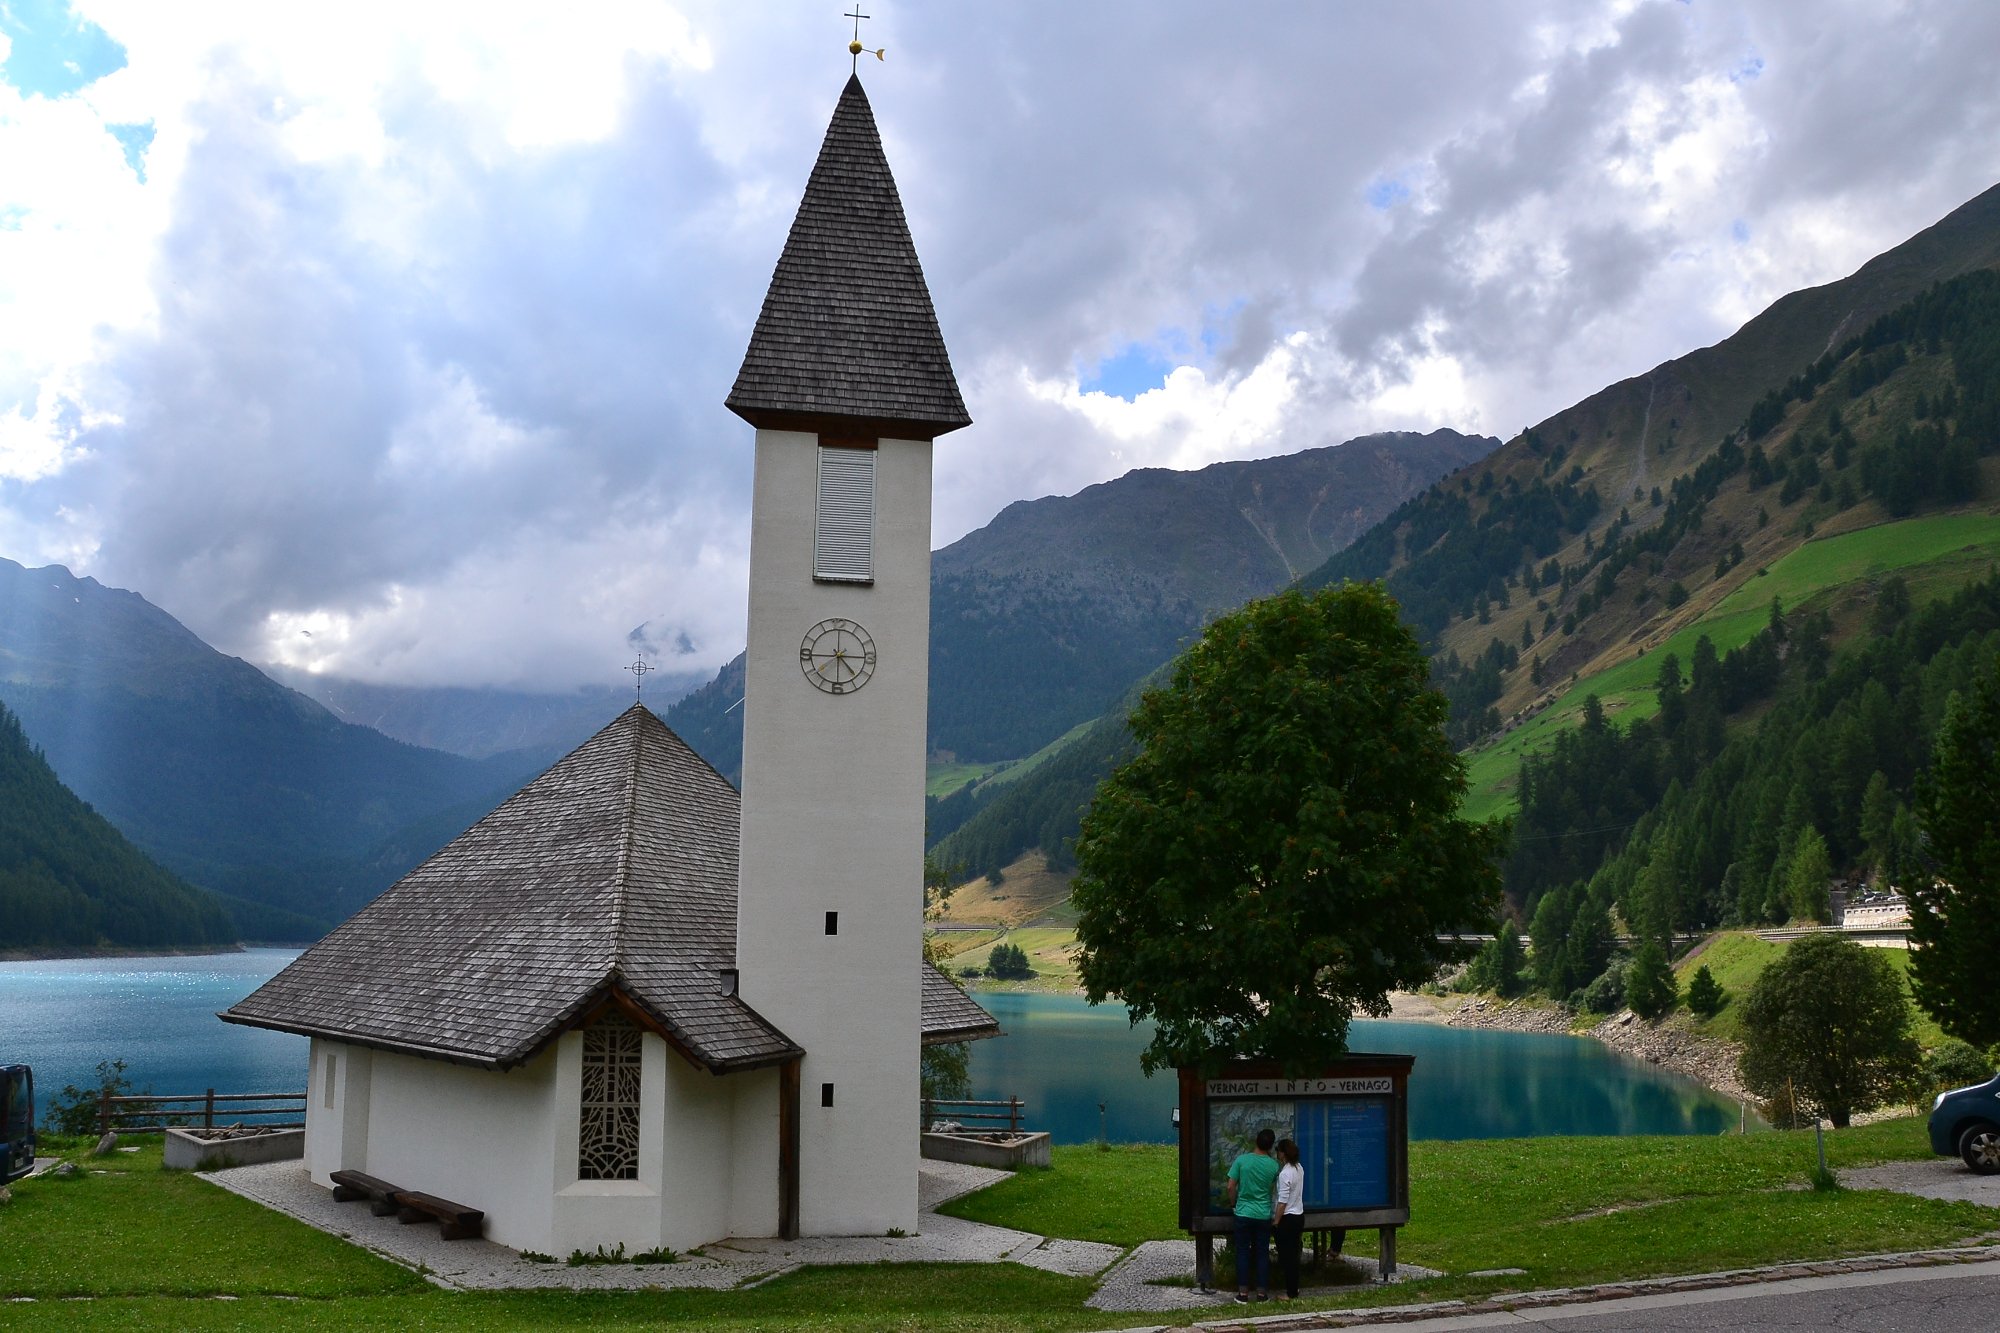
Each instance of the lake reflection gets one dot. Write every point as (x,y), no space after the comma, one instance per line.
(156,1014)
(1063,1057)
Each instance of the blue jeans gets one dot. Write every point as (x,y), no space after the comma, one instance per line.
(1252,1243)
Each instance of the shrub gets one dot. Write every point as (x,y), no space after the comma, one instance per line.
(74,1109)
(1954,1064)
(1605,994)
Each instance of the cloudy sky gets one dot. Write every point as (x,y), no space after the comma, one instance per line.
(391,339)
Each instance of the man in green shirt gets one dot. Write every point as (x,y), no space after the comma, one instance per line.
(1251,1178)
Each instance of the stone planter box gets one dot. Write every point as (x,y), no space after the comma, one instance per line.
(212,1150)
(1008,1152)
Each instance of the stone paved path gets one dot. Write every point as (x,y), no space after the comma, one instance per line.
(1135,1284)
(481,1264)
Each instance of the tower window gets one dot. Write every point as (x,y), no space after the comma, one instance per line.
(608,1144)
(833,923)
(844,522)
(826,1094)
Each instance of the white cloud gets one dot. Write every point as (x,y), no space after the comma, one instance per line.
(405,360)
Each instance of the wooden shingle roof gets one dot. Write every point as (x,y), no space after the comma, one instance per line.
(614,873)
(950,1014)
(848,339)
(611,878)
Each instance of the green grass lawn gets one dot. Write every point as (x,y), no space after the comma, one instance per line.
(1569,1211)
(149,1249)
(1939,553)
(1048,949)
(944,779)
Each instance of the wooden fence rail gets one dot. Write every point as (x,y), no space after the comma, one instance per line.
(1015,1109)
(129,1114)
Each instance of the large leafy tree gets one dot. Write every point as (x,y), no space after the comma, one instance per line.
(1829,1023)
(1286,846)
(1955,910)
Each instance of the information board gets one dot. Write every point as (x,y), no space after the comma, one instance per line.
(1350,1121)
(1343,1146)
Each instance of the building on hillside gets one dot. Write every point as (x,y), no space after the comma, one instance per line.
(626,1007)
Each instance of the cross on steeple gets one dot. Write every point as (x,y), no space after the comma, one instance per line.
(639,670)
(855,49)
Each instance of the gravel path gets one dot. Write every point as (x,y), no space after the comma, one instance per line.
(1939,1178)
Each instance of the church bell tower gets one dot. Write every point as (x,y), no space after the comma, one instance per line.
(847,382)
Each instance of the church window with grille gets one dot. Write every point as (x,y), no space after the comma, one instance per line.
(608,1146)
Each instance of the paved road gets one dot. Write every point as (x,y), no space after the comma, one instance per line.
(1957,1299)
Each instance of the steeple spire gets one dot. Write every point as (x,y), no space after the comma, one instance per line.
(848,340)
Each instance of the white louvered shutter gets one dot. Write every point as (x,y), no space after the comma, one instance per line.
(844,533)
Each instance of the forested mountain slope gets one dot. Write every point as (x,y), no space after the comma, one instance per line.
(1703,825)
(70,881)
(234,782)
(1554,564)
(1045,616)
(1471,560)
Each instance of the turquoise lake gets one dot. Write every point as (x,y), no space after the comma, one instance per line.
(1062,1057)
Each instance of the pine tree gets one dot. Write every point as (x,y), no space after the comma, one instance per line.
(1650,988)
(1878,819)
(1952,912)
(1705,995)
(1805,878)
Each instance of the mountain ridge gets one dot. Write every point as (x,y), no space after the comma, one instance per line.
(1044,616)
(1476,559)
(229,779)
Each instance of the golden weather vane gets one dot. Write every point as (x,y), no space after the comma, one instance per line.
(855,49)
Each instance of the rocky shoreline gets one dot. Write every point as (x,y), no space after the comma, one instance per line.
(1709,1061)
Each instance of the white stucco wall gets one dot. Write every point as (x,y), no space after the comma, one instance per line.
(337,1104)
(474,1136)
(506,1143)
(833,808)
(752,1183)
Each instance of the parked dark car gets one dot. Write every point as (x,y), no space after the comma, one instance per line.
(17,1122)
(1966,1122)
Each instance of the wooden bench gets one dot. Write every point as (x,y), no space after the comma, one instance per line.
(455,1220)
(381,1195)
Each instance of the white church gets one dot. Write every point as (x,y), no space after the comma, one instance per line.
(627,1007)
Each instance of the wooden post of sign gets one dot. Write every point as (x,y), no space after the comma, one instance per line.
(1204,1261)
(1388,1261)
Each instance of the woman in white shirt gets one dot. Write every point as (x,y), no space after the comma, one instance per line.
(1289,1214)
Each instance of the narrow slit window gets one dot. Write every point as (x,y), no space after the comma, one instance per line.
(327,1077)
(608,1145)
(826,1094)
(844,527)
(833,923)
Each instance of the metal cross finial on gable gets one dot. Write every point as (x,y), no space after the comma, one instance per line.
(639,670)
(855,49)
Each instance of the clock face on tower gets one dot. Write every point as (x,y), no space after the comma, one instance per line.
(837,656)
